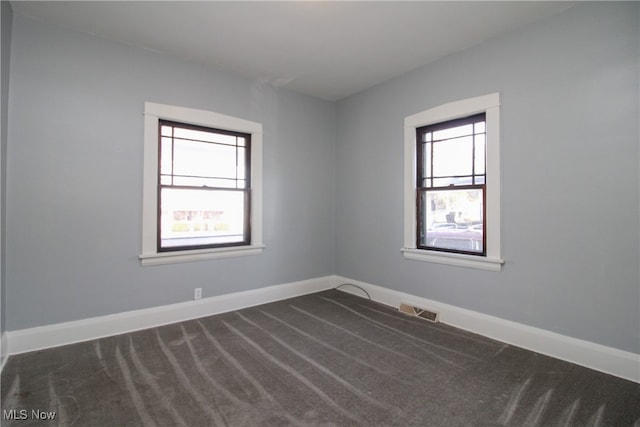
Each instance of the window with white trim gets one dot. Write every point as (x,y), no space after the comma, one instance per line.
(204,188)
(202,185)
(452,184)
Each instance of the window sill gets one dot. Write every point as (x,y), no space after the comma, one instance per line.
(198,255)
(460,260)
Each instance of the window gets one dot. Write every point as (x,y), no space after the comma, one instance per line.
(452,184)
(202,185)
(204,191)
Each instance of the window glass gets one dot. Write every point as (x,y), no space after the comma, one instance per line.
(197,159)
(453,220)
(453,157)
(196,218)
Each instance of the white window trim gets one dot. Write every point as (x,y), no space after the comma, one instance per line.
(489,104)
(154,112)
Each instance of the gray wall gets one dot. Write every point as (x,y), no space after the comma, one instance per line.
(569,147)
(7,19)
(75,178)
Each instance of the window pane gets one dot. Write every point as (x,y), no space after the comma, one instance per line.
(443,182)
(426,158)
(453,157)
(196,181)
(480,154)
(201,217)
(208,136)
(166,156)
(204,159)
(166,130)
(447,182)
(241,167)
(452,220)
(454,132)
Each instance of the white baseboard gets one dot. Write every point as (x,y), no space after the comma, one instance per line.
(25,340)
(609,360)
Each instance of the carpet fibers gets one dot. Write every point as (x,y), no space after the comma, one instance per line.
(325,359)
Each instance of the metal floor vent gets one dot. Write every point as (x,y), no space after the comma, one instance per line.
(430,315)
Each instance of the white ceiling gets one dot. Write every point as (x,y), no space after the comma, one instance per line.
(326,49)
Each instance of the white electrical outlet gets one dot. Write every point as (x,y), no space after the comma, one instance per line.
(197,293)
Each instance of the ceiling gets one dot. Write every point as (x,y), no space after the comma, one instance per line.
(326,49)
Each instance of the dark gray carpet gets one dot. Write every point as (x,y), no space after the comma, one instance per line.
(327,359)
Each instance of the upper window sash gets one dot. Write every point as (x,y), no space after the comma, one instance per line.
(174,135)
(430,137)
